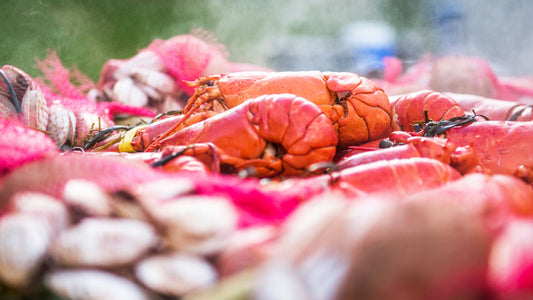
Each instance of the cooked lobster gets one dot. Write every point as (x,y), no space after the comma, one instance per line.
(273,134)
(358,108)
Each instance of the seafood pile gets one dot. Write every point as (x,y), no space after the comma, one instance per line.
(183,175)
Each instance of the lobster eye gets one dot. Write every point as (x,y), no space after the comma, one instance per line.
(211,83)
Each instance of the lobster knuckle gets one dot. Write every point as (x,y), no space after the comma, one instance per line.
(300,128)
(465,160)
(342,81)
(319,133)
(520,194)
(271,115)
(433,148)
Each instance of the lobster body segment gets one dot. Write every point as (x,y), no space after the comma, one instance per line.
(396,177)
(503,147)
(283,134)
(239,87)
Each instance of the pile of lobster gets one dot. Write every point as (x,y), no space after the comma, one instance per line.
(183,175)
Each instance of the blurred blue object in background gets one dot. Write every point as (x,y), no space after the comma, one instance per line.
(448,22)
(369,42)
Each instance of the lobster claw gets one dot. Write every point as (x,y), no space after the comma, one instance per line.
(363,112)
(279,134)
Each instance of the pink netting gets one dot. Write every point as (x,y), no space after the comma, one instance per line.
(20,145)
(60,78)
(255,204)
(188,57)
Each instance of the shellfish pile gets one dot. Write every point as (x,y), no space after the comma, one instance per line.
(179,176)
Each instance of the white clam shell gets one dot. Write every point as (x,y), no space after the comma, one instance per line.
(144,59)
(48,208)
(175,274)
(159,81)
(125,91)
(24,242)
(86,197)
(103,243)
(197,224)
(93,285)
(62,123)
(35,109)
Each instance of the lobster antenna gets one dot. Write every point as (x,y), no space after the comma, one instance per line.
(163,161)
(437,128)
(515,116)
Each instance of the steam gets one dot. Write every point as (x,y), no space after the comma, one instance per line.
(88,33)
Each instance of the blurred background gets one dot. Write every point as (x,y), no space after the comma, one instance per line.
(336,35)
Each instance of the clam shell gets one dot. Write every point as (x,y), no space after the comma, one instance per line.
(93,285)
(175,274)
(102,242)
(24,242)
